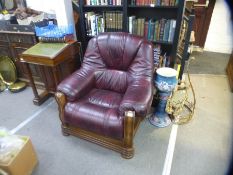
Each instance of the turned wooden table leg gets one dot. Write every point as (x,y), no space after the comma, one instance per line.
(61,101)
(55,75)
(31,81)
(42,72)
(39,98)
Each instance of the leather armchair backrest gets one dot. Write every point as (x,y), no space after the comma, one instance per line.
(118,59)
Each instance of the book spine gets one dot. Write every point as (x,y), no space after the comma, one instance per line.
(105,2)
(152,31)
(162,2)
(133,2)
(142,27)
(149,30)
(114,21)
(110,2)
(135,24)
(121,21)
(173,30)
(107,22)
(155,31)
(166,3)
(163,21)
(166,35)
(158,30)
(131,19)
(157,51)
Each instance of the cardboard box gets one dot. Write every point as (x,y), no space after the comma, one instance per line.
(24,162)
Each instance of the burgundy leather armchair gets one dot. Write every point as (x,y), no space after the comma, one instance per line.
(106,99)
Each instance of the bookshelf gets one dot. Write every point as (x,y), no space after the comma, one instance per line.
(170,12)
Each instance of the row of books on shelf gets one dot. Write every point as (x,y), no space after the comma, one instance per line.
(134,2)
(153,30)
(64,39)
(103,2)
(155,2)
(160,59)
(110,21)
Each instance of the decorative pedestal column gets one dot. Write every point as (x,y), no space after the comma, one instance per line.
(165,82)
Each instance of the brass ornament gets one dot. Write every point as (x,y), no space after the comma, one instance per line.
(2,86)
(179,106)
(7,70)
(8,76)
(18,86)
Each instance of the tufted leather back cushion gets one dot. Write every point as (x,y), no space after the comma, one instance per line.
(118,59)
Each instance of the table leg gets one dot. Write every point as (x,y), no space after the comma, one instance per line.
(31,81)
(42,72)
(38,99)
(55,75)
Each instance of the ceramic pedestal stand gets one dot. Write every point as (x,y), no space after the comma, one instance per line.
(165,82)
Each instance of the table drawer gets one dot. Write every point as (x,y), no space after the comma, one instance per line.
(5,50)
(3,37)
(17,38)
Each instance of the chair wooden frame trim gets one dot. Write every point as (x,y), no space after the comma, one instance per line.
(124,146)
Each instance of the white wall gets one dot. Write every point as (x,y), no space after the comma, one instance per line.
(220,34)
(42,5)
(62,9)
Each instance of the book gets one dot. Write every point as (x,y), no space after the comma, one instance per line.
(156,53)
(152,26)
(166,30)
(131,19)
(64,39)
(145,29)
(172,30)
(162,26)
(156,30)
(149,29)
(93,25)
(142,27)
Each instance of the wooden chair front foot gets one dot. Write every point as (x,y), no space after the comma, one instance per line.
(128,150)
(128,153)
(63,129)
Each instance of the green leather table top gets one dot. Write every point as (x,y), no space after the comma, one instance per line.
(49,50)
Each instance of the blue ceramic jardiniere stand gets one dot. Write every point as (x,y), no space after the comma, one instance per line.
(165,82)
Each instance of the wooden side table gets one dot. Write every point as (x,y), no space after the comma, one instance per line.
(52,55)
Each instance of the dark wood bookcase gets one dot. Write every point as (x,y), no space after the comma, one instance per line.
(156,12)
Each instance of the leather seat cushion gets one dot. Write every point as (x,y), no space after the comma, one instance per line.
(97,112)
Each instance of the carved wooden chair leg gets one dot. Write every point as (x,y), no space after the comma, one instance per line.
(61,101)
(63,129)
(128,151)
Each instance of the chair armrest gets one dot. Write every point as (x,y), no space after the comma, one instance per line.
(137,98)
(77,84)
